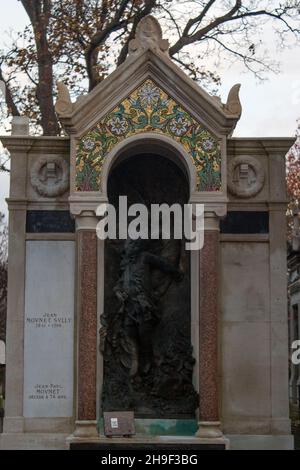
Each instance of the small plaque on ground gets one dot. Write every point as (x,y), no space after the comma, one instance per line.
(119,423)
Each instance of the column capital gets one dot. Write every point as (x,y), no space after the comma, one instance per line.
(211,221)
(86,220)
(86,202)
(212,203)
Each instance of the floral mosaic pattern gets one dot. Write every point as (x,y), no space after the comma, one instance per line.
(148,109)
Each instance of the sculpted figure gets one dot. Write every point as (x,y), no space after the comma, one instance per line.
(146,372)
(138,309)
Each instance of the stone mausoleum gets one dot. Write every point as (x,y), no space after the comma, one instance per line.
(210,367)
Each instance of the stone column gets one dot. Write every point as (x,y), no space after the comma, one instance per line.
(14,421)
(209,423)
(18,147)
(279,393)
(86,325)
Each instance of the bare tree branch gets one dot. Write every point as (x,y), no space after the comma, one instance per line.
(10,103)
(187,38)
(99,37)
(80,42)
(141,14)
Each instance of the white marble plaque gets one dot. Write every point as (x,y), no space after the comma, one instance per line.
(49,329)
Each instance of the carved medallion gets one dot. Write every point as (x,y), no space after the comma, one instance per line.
(246,176)
(50,176)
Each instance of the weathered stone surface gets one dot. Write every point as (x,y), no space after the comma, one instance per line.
(245,281)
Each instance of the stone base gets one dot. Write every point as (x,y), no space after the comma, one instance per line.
(33,441)
(59,441)
(151,444)
(261,442)
(209,430)
(85,429)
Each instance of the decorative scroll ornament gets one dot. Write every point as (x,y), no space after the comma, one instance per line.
(246,176)
(63,105)
(148,36)
(233,104)
(50,176)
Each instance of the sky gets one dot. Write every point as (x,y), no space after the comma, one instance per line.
(270,108)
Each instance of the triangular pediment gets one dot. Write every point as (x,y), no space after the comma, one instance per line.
(149,61)
(116,109)
(148,109)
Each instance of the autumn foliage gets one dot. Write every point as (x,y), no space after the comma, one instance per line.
(293,181)
(293,171)
(82,41)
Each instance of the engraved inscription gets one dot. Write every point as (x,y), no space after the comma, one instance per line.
(46,320)
(48,392)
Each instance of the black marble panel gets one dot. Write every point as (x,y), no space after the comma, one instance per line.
(49,222)
(245,222)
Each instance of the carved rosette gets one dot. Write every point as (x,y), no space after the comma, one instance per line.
(50,176)
(245,176)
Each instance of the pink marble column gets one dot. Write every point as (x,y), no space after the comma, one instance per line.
(209,424)
(86,328)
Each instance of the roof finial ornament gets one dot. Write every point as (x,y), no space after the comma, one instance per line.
(63,105)
(148,36)
(233,105)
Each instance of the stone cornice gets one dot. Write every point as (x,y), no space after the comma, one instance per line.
(24,144)
(263,145)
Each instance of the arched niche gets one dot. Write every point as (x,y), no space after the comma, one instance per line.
(161,341)
(153,144)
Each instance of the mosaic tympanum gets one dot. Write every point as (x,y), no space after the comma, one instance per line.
(148,109)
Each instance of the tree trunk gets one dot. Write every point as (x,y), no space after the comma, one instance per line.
(91,60)
(39,12)
(44,90)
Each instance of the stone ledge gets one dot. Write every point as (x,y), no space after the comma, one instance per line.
(33,441)
(53,441)
(261,442)
(160,443)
